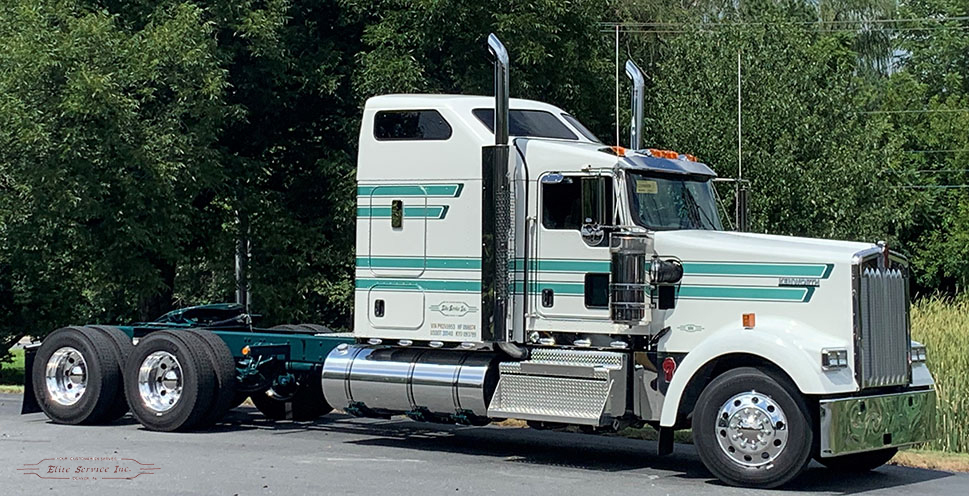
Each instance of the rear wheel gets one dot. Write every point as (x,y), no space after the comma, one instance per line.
(122,347)
(224,365)
(169,381)
(752,429)
(302,328)
(76,376)
(859,462)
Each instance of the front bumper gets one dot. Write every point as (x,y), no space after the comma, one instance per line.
(865,423)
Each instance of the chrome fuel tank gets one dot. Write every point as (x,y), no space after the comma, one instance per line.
(446,385)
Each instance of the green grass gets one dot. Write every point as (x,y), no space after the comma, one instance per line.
(942,325)
(12,373)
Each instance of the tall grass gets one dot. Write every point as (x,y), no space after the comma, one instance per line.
(942,325)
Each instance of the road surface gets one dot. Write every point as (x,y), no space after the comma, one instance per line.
(339,455)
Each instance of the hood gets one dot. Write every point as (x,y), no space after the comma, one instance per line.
(751,247)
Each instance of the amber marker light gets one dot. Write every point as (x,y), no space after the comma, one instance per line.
(749,321)
(245,350)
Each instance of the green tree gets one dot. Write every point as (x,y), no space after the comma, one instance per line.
(106,160)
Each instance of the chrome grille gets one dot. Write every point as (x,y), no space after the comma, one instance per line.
(883,329)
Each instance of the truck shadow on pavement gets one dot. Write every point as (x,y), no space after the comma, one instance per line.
(601,453)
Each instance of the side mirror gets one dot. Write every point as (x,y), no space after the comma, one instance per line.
(594,201)
(595,214)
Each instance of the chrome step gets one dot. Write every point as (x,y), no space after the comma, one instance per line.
(568,386)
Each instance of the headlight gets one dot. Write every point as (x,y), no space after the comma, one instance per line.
(834,358)
(918,352)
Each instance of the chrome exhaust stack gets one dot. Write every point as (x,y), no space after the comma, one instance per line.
(500,54)
(497,212)
(637,94)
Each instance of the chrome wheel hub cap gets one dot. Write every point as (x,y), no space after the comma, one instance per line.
(66,375)
(160,381)
(752,429)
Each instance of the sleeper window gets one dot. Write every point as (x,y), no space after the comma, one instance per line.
(410,125)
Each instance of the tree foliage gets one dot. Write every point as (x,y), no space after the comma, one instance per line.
(135,134)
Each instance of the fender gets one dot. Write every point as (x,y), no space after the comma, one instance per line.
(793,347)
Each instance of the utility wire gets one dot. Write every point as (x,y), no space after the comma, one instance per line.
(702,29)
(949,150)
(943,186)
(762,23)
(912,111)
(926,171)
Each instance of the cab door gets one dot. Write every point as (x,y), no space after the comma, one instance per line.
(569,270)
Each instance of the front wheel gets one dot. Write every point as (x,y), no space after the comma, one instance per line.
(859,462)
(752,430)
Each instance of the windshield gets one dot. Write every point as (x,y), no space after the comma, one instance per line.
(670,202)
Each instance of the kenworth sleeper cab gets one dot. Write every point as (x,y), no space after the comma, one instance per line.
(511,265)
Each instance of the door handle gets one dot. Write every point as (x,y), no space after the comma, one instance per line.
(548,298)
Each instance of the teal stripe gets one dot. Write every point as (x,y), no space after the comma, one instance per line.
(430,212)
(756,269)
(420,284)
(563,265)
(426,190)
(560,288)
(417,263)
(691,292)
(745,293)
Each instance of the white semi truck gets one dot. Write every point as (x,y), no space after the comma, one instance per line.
(511,265)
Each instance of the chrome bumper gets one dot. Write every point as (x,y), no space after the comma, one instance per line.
(852,425)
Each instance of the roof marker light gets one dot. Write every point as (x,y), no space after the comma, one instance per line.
(670,154)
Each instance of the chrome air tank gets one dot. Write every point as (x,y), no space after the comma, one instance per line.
(447,385)
(629,285)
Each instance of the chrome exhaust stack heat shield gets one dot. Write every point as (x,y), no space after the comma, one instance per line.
(426,385)
(637,105)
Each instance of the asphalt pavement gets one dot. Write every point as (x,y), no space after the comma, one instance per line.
(338,455)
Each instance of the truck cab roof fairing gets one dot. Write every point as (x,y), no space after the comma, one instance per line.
(637,161)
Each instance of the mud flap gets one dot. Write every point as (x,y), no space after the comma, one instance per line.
(30,404)
(665,445)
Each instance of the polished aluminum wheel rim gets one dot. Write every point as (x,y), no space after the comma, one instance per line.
(752,429)
(66,375)
(160,381)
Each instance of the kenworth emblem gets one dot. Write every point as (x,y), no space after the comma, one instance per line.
(799,281)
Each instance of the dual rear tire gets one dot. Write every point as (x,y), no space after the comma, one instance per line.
(173,380)
(77,375)
(180,380)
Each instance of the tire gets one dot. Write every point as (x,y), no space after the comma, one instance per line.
(306,404)
(224,365)
(858,462)
(779,453)
(315,328)
(123,347)
(78,359)
(287,328)
(177,357)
